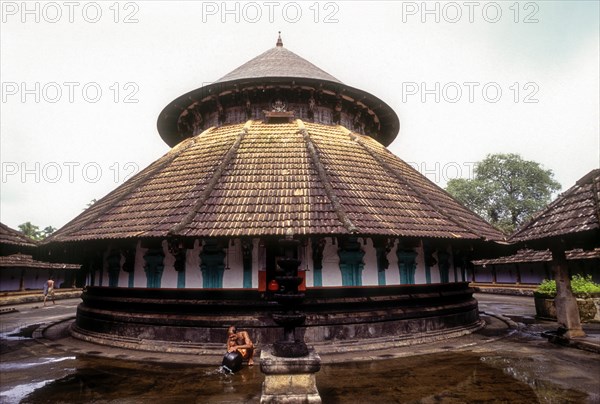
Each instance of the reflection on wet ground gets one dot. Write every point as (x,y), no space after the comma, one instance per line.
(522,367)
(437,378)
(103,381)
(451,377)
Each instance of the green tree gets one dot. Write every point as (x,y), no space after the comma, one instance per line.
(48,230)
(90,204)
(33,232)
(506,190)
(30,230)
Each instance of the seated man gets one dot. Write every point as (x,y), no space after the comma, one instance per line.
(241,342)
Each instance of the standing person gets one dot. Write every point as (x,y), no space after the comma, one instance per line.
(241,342)
(49,290)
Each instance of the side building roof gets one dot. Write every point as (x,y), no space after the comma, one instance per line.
(12,241)
(575,212)
(523,256)
(27,262)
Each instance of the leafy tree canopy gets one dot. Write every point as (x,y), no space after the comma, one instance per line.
(506,190)
(33,232)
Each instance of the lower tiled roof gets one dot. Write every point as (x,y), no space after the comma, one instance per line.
(14,237)
(27,261)
(577,210)
(261,178)
(539,256)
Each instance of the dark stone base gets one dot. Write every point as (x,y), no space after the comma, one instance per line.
(290,380)
(286,349)
(350,319)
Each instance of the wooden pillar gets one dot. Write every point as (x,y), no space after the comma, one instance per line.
(22,280)
(567,312)
(518,268)
(494,277)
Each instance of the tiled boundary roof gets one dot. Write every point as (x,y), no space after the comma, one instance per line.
(539,256)
(576,210)
(14,237)
(258,179)
(26,261)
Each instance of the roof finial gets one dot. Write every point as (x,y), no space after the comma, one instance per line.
(279,41)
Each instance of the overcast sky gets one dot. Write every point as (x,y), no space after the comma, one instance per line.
(83,83)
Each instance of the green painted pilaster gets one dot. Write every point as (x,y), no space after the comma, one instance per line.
(407,265)
(212,264)
(382,248)
(101,274)
(318,245)
(114,267)
(154,267)
(129,266)
(429,261)
(92,272)
(351,262)
(455,274)
(463,269)
(247,247)
(381,278)
(444,265)
(178,250)
(179,265)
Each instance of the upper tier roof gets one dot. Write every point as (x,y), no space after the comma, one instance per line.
(278,62)
(260,179)
(273,69)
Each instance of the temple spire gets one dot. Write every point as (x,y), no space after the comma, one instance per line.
(279,41)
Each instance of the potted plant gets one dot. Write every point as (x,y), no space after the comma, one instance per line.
(586,292)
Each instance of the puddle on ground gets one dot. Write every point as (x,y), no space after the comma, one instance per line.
(12,366)
(19,334)
(438,378)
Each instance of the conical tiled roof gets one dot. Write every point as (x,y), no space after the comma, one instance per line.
(278,62)
(577,210)
(258,178)
(276,69)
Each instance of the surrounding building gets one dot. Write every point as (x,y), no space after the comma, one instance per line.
(276,147)
(20,272)
(532,267)
(572,221)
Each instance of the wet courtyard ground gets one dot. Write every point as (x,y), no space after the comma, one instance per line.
(495,365)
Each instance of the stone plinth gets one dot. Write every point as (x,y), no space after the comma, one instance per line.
(289,380)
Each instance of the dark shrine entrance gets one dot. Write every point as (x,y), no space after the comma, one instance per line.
(273,252)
